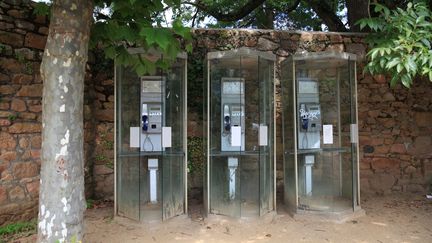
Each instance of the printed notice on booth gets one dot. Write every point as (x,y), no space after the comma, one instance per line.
(328,134)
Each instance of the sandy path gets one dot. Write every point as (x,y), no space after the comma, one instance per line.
(395,218)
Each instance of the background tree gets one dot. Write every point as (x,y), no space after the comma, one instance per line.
(401,42)
(331,15)
(268,14)
(125,23)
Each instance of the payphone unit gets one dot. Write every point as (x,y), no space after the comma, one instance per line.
(151,113)
(309,114)
(233,117)
(309,135)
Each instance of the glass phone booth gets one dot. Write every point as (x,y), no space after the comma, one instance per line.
(320,134)
(150,148)
(240,133)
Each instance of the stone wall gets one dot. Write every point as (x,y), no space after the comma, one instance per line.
(22,40)
(395,136)
(395,127)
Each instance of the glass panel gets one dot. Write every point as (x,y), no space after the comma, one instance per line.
(128,159)
(265,77)
(173,157)
(249,166)
(206,140)
(151,167)
(346,157)
(226,94)
(288,136)
(354,146)
(324,160)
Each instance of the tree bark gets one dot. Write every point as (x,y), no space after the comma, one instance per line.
(61,197)
(357,9)
(265,18)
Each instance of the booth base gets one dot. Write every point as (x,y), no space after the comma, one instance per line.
(218,218)
(335,217)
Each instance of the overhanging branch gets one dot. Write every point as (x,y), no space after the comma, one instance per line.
(235,15)
(328,16)
(291,8)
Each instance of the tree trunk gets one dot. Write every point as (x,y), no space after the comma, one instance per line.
(357,9)
(327,15)
(265,18)
(61,197)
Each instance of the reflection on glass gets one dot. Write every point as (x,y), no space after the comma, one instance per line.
(150,142)
(240,128)
(319,107)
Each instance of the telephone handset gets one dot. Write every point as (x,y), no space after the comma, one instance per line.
(145,118)
(227,118)
(304,117)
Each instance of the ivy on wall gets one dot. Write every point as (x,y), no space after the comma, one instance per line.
(195,87)
(195,156)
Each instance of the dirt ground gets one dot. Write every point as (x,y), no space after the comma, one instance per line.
(394,218)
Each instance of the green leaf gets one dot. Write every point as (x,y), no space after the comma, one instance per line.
(180,30)
(406,80)
(393,63)
(110,52)
(412,65)
(394,80)
(374,53)
(189,47)
(160,37)
(42,9)
(399,67)
(426,42)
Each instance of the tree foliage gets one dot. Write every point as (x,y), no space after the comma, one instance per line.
(120,24)
(136,23)
(401,42)
(266,14)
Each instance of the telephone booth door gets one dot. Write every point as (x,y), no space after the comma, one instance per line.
(320,134)
(150,149)
(240,133)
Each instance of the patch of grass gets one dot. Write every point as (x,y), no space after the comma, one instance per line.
(110,164)
(2,47)
(12,117)
(9,231)
(90,203)
(101,157)
(28,67)
(108,144)
(195,155)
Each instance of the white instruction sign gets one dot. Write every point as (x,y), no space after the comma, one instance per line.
(166,137)
(236,136)
(134,137)
(328,134)
(354,133)
(263,135)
